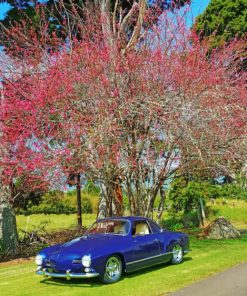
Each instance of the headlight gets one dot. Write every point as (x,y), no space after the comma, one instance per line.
(39,260)
(86,261)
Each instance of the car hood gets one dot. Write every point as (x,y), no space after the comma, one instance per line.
(76,248)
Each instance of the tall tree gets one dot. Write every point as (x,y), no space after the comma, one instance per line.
(223,20)
(8,230)
(139,114)
(49,25)
(75,14)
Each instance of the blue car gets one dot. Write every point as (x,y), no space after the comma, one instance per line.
(112,246)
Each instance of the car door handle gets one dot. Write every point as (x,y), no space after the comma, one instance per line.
(156,240)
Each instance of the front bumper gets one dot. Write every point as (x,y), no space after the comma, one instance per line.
(68,275)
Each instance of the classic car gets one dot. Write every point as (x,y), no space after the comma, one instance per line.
(112,246)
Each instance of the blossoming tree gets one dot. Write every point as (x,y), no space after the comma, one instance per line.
(128,111)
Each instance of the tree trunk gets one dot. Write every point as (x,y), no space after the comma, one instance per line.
(161,204)
(8,229)
(202,212)
(118,200)
(78,194)
(102,208)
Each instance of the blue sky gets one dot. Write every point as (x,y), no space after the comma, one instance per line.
(4,7)
(198,6)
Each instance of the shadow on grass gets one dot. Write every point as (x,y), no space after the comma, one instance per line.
(152,268)
(95,282)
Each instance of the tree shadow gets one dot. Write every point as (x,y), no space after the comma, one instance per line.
(95,282)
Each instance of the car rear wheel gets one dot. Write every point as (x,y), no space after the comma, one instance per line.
(177,254)
(113,270)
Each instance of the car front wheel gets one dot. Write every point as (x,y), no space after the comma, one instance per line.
(177,254)
(113,270)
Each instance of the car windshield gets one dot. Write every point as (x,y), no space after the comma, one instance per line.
(120,227)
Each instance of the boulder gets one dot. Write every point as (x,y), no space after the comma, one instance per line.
(220,228)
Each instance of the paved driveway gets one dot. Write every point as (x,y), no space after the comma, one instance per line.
(232,282)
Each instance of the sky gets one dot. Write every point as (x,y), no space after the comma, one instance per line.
(197,7)
(4,7)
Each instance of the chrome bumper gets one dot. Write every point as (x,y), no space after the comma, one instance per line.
(68,275)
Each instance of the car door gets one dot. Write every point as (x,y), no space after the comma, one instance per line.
(145,246)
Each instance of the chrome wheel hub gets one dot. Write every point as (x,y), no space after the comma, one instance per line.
(177,253)
(113,268)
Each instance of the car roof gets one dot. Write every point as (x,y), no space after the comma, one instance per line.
(130,218)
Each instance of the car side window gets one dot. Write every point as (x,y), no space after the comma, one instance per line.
(140,228)
(154,227)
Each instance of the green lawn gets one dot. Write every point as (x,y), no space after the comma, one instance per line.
(207,257)
(52,222)
(232,209)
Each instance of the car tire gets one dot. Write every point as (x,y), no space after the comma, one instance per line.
(177,254)
(113,270)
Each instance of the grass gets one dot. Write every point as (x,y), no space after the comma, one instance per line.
(207,258)
(52,222)
(232,209)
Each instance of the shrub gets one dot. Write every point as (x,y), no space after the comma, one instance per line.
(184,195)
(91,188)
(58,203)
(86,207)
(180,220)
(59,207)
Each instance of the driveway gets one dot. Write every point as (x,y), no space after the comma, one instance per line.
(232,282)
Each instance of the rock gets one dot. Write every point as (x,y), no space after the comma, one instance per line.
(220,229)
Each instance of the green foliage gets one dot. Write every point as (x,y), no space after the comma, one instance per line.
(48,207)
(56,202)
(223,20)
(1,246)
(232,191)
(173,224)
(23,198)
(180,220)
(184,195)
(25,201)
(91,188)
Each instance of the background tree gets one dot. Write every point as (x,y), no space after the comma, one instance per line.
(136,111)
(141,115)
(27,25)
(75,13)
(223,20)
(187,195)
